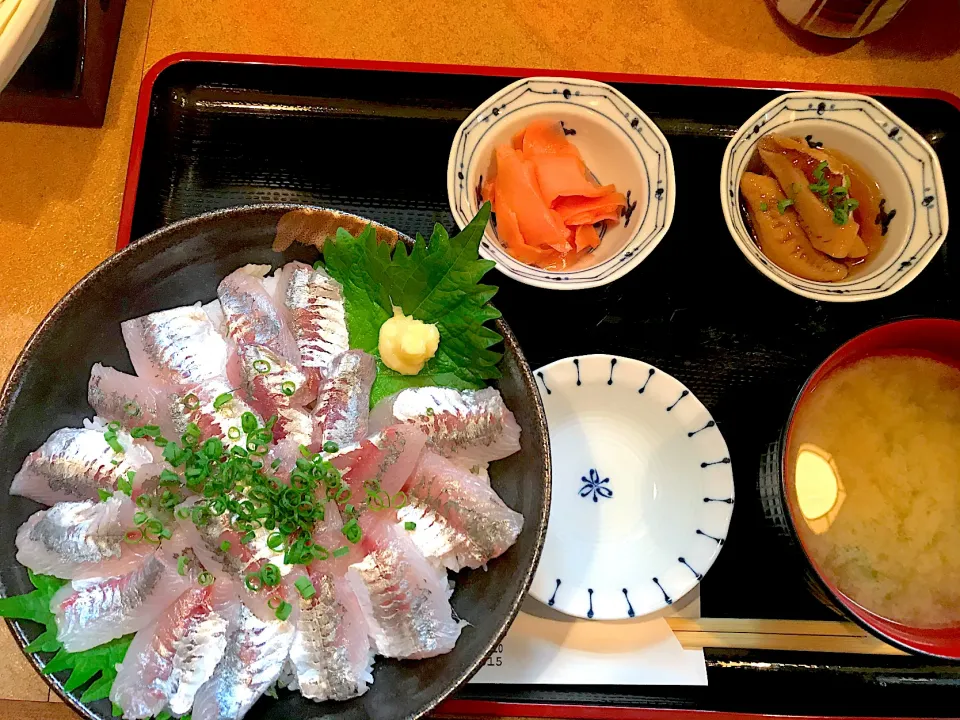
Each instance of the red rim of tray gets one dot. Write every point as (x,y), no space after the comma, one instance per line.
(932,337)
(466,706)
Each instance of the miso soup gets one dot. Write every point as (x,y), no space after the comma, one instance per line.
(874,483)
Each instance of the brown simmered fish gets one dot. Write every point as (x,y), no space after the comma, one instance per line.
(780,236)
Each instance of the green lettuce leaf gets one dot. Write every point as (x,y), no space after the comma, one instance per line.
(437,282)
(84,666)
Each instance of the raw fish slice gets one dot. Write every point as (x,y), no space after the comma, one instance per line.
(472,426)
(268,379)
(389,456)
(252,316)
(252,661)
(73,464)
(127,399)
(517,190)
(198,407)
(214,311)
(90,613)
(81,540)
(178,347)
(331,651)
(169,660)
(343,404)
(403,597)
(461,521)
(236,562)
(328,534)
(315,303)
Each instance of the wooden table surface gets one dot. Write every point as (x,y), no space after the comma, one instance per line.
(60,188)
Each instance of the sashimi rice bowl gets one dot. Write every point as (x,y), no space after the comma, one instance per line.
(284,488)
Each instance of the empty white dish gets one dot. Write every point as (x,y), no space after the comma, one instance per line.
(643,488)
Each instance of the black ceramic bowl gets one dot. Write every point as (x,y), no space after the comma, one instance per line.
(179,265)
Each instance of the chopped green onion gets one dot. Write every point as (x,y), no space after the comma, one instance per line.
(248,421)
(222,399)
(275,464)
(225,545)
(270,574)
(133,536)
(104,494)
(274,540)
(305,587)
(205,578)
(283,612)
(213,448)
(160,441)
(274,602)
(152,430)
(352,531)
(253,582)
(288,388)
(234,433)
(271,422)
(139,517)
(782,205)
(763,207)
(111,437)
(144,501)
(166,534)
(163,715)
(182,565)
(168,477)
(124,485)
(138,432)
(341,551)
(191,401)
(409,525)
(330,447)
(248,538)
(114,426)
(398,500)
(261,366)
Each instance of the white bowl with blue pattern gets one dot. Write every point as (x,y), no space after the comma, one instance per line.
(619,145)
(642,489)
(899,159)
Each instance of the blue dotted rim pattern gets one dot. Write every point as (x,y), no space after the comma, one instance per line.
(547,387)
(892,138)
(623,115)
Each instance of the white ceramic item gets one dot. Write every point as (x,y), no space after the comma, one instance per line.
(619,145)
(643,489)
(902,163)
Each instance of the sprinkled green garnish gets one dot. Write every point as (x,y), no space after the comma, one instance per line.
(205,578)
(341,551)
(352,532)
(763,208)
(125,483)
(330,447)
(270,574)
(288,388)
(191,401)
(222,399)
(182,565)
(283,612)
(131,408)
(111,437)
(225,545)
(104,494)
(409,525)
(305,587)
(168,477)
(253,582)
(782,205)
(261,366)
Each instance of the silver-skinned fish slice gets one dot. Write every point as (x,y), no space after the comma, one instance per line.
(331,650)
(179,347)
(74,464)
(90,613)
(315,304)
(387,457)
(460,520)
(81,540)
(471,426)
(170,659)
(129,400)
(403,597)
(252,661)
(253,317)
(343,403)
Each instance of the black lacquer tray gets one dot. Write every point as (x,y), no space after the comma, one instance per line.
(373,139)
